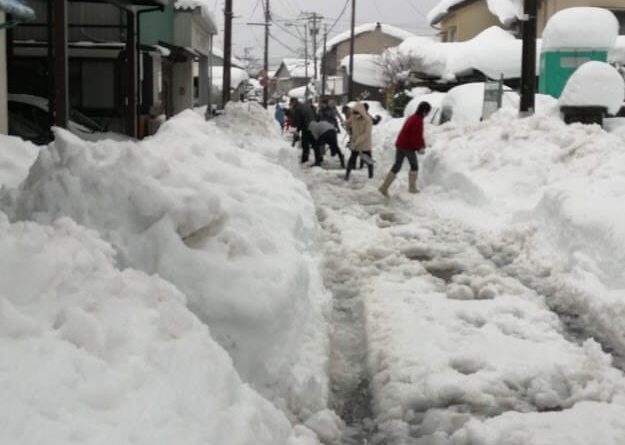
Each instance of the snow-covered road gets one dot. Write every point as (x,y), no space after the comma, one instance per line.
(435,339)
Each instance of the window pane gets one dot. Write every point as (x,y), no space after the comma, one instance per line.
(98,84)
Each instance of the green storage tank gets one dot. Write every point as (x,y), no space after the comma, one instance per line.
(556,66)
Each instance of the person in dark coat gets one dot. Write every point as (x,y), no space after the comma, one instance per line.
(324,132)
(410,141)
(328,113)
(302,115)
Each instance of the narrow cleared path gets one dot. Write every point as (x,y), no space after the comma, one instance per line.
(369,242)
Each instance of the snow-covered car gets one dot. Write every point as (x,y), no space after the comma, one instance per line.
(29,119)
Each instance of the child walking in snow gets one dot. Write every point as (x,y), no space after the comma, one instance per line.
(409,142)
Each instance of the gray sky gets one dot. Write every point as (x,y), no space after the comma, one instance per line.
(286,41)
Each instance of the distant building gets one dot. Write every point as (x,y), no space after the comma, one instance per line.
(461,20)
(370,39)
(292,73)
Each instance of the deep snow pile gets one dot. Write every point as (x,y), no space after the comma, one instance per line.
(494,52)
(232,230)
(16,157)
(581,28)
(92,354)
(595,84)
(553,193)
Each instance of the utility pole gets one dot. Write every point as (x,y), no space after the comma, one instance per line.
(528,66)
(266,60)
(350,87)
(227,52)
(323,61)
(61,70)
(314,32)
(306,59)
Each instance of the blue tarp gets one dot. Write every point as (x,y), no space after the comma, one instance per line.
(17,9)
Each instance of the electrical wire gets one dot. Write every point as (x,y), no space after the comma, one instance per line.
(339,17)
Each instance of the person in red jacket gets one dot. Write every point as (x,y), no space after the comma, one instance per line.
(409,141)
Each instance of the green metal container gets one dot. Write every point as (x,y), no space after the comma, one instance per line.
(557,66)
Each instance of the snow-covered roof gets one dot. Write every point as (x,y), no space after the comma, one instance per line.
(205,9)
(297,67)
(577,28)
(18,9)
(505,10)
(218,52)
(393,31)
(367,69)
(595,84)
(237,76)
(493,52)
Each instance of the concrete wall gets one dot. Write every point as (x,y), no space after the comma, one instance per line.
(3,79)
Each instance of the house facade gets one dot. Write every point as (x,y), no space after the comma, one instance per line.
(187,34)
(113,61)
(370,38)
(18,12)
(464,19)
(292,73)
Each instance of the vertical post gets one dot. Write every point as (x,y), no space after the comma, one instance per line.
(324,65)
(306,59)
(266,56)
(203,80)
(209,86)
(313,33)
(528,66)
(227,53)
(350,87)
(131,74)
(61,97)
(4,123)
(51,66)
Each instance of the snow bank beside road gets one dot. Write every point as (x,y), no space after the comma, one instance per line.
(16,157)
(233,231)
(91,354)
(556,193)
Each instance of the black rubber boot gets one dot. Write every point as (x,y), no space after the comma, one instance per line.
(348,170)
(370,168)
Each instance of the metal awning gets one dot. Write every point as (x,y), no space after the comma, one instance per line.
(18,10)
(128,4)
(180,53)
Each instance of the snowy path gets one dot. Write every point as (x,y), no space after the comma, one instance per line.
(434,340)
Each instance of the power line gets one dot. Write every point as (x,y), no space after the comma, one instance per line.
(339,16)
(282,44)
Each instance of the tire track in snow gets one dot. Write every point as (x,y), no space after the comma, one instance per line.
(351,275)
